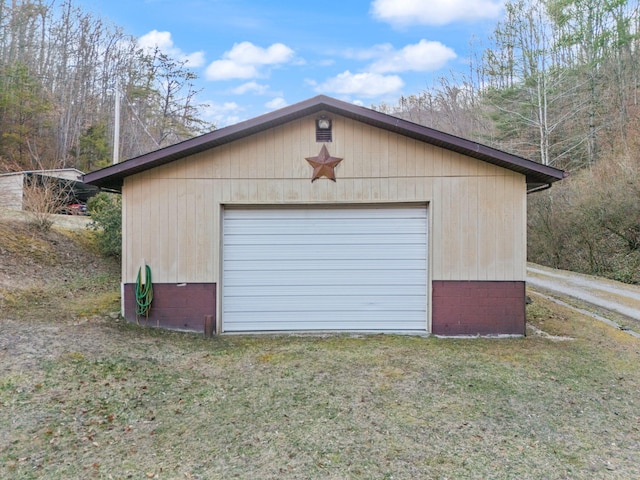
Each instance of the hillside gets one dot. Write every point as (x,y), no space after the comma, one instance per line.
(58,270)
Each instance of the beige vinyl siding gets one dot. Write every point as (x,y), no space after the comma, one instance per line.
(478,210)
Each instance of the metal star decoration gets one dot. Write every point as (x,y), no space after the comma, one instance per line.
(323,165)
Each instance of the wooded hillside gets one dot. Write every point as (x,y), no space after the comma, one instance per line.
(559,84)
(59,71)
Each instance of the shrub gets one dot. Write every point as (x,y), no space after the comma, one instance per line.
(590,223)
(106,215)
(43,197)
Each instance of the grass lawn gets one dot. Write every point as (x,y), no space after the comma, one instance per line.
(84,396)
(102,399)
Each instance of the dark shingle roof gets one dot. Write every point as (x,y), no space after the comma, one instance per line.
(537,175)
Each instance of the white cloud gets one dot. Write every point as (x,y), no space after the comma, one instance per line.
(245,59)
(247,52)
(421,57)
(434,12)
(195,59)
(251,87)
(276,103)
(163,42)
(363,84)
(222,114)
(228,69)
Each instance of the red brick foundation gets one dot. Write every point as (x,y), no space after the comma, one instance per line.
(478,308)
(174,306)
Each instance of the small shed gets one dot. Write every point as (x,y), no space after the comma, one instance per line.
(327,216)
(67,181)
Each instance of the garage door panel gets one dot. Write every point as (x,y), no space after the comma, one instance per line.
(315,214)
(369,326)
(324,269)
(320,227)
(322,278)
(252,291)
(323,264)
(372,238)
(307,252)
(336,316)
(321,303)
(291,321)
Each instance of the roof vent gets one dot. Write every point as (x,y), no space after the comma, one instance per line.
(323,129)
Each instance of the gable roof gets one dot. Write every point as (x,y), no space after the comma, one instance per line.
(537,175)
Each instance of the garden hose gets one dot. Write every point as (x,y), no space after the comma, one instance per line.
(144,292)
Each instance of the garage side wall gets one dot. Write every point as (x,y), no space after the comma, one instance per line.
(477,210)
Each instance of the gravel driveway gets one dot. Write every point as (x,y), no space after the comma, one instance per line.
(621,298)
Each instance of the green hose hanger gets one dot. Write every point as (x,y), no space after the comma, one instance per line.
(144,292)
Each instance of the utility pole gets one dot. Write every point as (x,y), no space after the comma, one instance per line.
(116,124)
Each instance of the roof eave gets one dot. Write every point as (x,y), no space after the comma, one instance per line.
(112,177)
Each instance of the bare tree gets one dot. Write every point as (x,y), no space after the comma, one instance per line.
(44,196)
(59,67)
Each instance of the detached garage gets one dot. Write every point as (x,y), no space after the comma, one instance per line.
(343,268)
(326,216)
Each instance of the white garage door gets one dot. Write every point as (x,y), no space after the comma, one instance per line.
(324,269)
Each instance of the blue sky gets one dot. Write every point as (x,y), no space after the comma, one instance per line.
(255,56)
